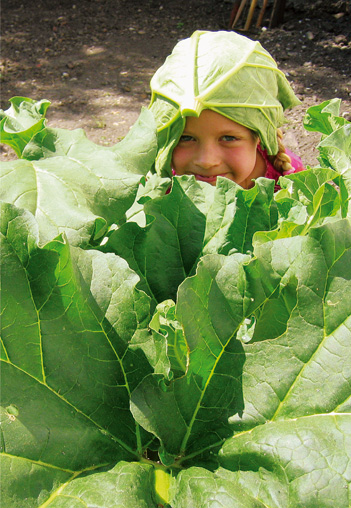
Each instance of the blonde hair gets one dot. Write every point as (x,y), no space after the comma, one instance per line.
(281,161)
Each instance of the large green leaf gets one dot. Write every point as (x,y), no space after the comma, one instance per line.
(303,462)
(21,122)
(75,144)
(66,369)
(66,195)
(126,485)
(335,152)
(194,219)
(324,118)
(302,349)
(292,463)
(71,184)
(199,488)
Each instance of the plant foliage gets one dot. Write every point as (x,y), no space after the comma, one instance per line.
(171,343)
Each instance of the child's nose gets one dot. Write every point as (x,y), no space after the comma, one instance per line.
(207,156)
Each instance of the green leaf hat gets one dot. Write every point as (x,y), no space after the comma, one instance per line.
(227,73)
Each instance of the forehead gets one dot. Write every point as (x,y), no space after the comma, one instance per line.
(211,121)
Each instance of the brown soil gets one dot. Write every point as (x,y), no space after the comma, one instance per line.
(93,59)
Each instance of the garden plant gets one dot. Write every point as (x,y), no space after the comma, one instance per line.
(170,343)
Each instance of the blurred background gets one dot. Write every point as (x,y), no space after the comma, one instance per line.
(93,59)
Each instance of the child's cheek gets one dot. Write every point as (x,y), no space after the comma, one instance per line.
(180,160)
(243,157)
(241,163)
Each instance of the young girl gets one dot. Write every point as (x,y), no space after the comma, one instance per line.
(218,101)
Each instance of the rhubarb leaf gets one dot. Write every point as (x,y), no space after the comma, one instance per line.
(290,463)
(21,122)
(194,219)
(65,342)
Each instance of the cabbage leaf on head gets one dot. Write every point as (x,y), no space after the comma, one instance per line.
(227,73)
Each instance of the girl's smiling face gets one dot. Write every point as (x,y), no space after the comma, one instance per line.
(213,145)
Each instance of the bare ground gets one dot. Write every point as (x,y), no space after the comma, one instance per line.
(94,59)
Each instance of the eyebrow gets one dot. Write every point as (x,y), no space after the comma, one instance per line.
(223,131)
(227,132)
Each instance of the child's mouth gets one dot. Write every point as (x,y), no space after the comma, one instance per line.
(208,179)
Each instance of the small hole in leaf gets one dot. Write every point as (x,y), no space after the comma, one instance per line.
(12,412)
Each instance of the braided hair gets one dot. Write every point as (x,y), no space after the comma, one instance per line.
(281,161)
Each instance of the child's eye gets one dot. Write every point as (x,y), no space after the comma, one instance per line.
(185,138)
(228,138)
